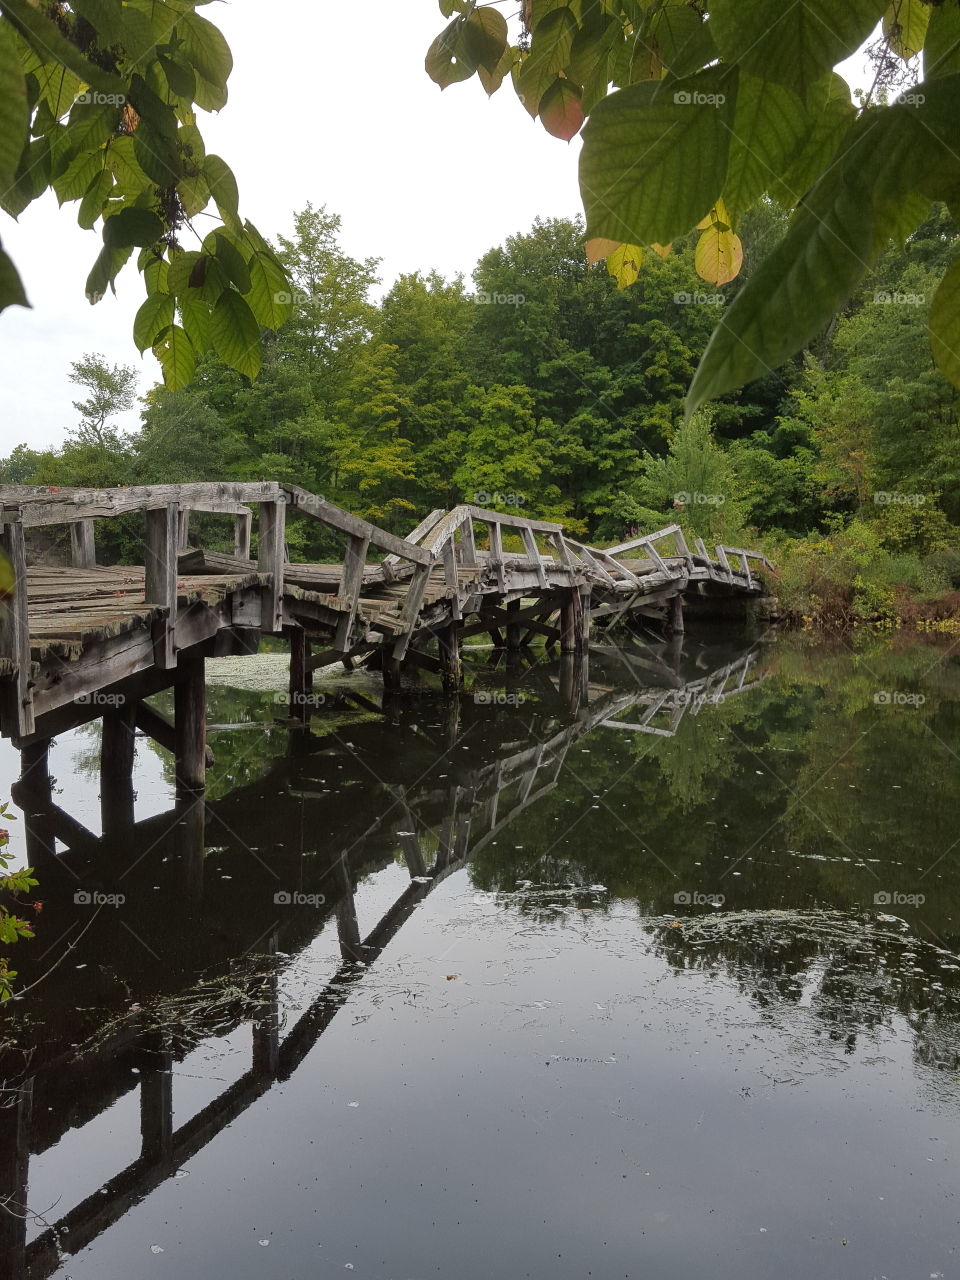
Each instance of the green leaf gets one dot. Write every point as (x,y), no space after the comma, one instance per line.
(152,319)
(485,37)
(448,60)
(105,271)
(155,270)
(132,226)
(49,42)
(32,179)
(184,268)
(194,194)
(492,80)
(131,179)
(905,26)
(177,358)
(196,318)
(941,50)
(11,287)
(269,296)
(654,157)
(831,115)
(157,155)
(180,77)
(139,40)
(94,198)
(794,43)
(219,244)
(550,51)
(204,47)
(624,264)
(223,189)
(105,16)
(681,40)
(14,114)
(236,334)
(834,235)
(944,322)
(769,129)
(72,184)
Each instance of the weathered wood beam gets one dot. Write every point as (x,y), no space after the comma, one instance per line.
(242,528)
(16,691)
(160,580)
(83,551)
(351,583)
(270,559)
(190,719)
(117,749)
(160,729)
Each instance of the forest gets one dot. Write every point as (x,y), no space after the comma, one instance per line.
(544,387)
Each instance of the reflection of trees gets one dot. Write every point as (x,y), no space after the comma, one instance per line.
(854,973)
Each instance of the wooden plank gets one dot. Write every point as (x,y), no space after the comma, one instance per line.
(533,553)
(183,529)
(242,528)
(724,562)
(16,708)
(468,544)
(411,610)
(66,506)
(351,582)
(83,552)
(270,559)
(319,509)
(160,578)
(423,528)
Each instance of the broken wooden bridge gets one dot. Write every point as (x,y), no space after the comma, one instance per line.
(83,640)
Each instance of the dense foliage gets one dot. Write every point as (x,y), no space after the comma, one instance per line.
(695,109)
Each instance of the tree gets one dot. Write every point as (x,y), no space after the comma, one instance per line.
(112,390)
(714,105)
(98,101)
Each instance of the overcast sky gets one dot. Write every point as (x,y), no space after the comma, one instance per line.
(329,103)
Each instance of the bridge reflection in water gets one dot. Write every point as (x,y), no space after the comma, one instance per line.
(154,881)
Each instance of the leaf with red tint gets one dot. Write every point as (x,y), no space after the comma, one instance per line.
(561,109)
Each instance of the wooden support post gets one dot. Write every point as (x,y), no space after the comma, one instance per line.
(14,1180)
(36,783)
(270,559)
(348,927)
(676,615)
(586,610)
(301,677)
(266,1029)
(183,529)
(468,545)
(191,833)
(83,551)
(571,622)
(351,587)
(156,1108)
(161,730)
(533,552)
(160,579)
(190,723)
(411,610)
(513,628)
(16,710)
(242,525)
(451,663)
(117,743)
(496,553)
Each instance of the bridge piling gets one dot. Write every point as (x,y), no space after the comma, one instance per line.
(190,723)
(117,748)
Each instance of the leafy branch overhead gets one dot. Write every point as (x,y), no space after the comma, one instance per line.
(695,110)
(99,101)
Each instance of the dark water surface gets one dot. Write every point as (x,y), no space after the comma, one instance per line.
(665,983)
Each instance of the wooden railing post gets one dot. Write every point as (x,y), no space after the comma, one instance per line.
(270,559)
(468,544)
(183,529)
(242,525)
(83,551)
(160,578)
(15,636)
(351,586)
(533,552)
(496,552)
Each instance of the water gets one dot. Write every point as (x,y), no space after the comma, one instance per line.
(507,989)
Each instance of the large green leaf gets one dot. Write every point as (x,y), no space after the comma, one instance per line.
(14,116)
(121,158)
(195,316)
(105,271)
(795,42)
(944,324)
(48,41)
(32,178)
(941,50)
(834,236)
(223,188)
(269,296)
(178,360)
(832,115)
(549,54)
(105,16)
(905,26)
(236,334)
(485,37)
(205,49)
(11,286)
(680,39)
(74,181)
(91,206)
(132,226)
(769,128)
(654,157)
(448,60)
(154,316)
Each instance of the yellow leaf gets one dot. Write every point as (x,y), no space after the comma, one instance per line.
(599,249)
(717,217)
(905,27)
(719,255)
(662,250)
(624,264)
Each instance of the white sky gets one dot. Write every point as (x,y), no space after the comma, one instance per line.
(329,103)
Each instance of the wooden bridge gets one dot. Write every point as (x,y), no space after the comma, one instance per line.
(81,641)
(437,820)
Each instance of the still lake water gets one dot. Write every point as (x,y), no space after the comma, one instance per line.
(665,984)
